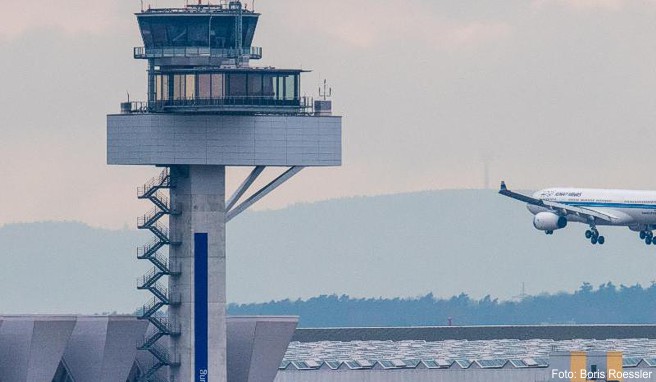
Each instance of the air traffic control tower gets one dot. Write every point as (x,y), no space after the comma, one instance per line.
(208,109)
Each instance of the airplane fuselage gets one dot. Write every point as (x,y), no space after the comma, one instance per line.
(630,208)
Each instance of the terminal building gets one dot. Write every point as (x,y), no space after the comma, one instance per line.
(269,349)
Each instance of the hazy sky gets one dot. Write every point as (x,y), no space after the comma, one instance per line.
(550,92)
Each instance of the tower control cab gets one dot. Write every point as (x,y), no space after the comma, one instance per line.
(199,61)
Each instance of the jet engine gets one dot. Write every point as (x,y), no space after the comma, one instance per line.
(548,221)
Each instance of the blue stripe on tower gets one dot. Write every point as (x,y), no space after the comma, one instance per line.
(200,306)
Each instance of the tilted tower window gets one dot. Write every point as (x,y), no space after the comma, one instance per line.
(195,31)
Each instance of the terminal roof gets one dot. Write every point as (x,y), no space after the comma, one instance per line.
(196,10)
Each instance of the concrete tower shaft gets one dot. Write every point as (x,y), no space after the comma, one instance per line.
(200,227)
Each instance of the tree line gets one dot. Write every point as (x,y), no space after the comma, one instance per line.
(606,304)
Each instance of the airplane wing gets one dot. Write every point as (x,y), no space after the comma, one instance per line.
(564,209)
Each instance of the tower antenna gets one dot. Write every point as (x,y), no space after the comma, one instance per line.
(327,92)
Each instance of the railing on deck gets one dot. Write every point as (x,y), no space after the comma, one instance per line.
(241,104)
(254,52)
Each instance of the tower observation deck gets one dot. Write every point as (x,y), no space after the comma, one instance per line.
(208,109)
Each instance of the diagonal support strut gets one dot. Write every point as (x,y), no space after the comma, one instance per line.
(244,187)
(232,213)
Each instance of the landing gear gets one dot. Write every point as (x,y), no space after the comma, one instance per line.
(549,232)
(648,237)
(594,237)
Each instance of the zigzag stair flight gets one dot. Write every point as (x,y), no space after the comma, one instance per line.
(554,208)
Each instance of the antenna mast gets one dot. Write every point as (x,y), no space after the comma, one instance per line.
(327,92)
(238,6)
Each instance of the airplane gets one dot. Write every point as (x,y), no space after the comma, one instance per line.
(554,208)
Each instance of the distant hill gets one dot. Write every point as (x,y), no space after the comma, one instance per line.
(440,242)
(68,267)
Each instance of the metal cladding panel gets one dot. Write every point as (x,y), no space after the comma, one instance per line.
(183,139)
(120,347)
(416,375)
(241,334)
(15,341)
(86,349)
(49,340)
(256,346)
(272,338)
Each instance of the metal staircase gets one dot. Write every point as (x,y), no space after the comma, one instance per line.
(151,281)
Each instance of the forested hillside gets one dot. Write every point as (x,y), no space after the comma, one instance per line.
(607,304)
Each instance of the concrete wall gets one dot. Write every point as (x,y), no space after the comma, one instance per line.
(170,139)
(416,375)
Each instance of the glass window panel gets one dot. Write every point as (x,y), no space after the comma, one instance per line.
(237,83)
(353,365)
(158,32)
(217,86)
(158,88)
(146,33)
(542,362)
(463,363)
(290,87)
(269,86)
(190,80)
(166,90)
(431,364)
(255,85)
(631,361)
(177,33)
(280,88)
(178,86)
(249,30)
(204,86)
(222,32)
(197,34)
